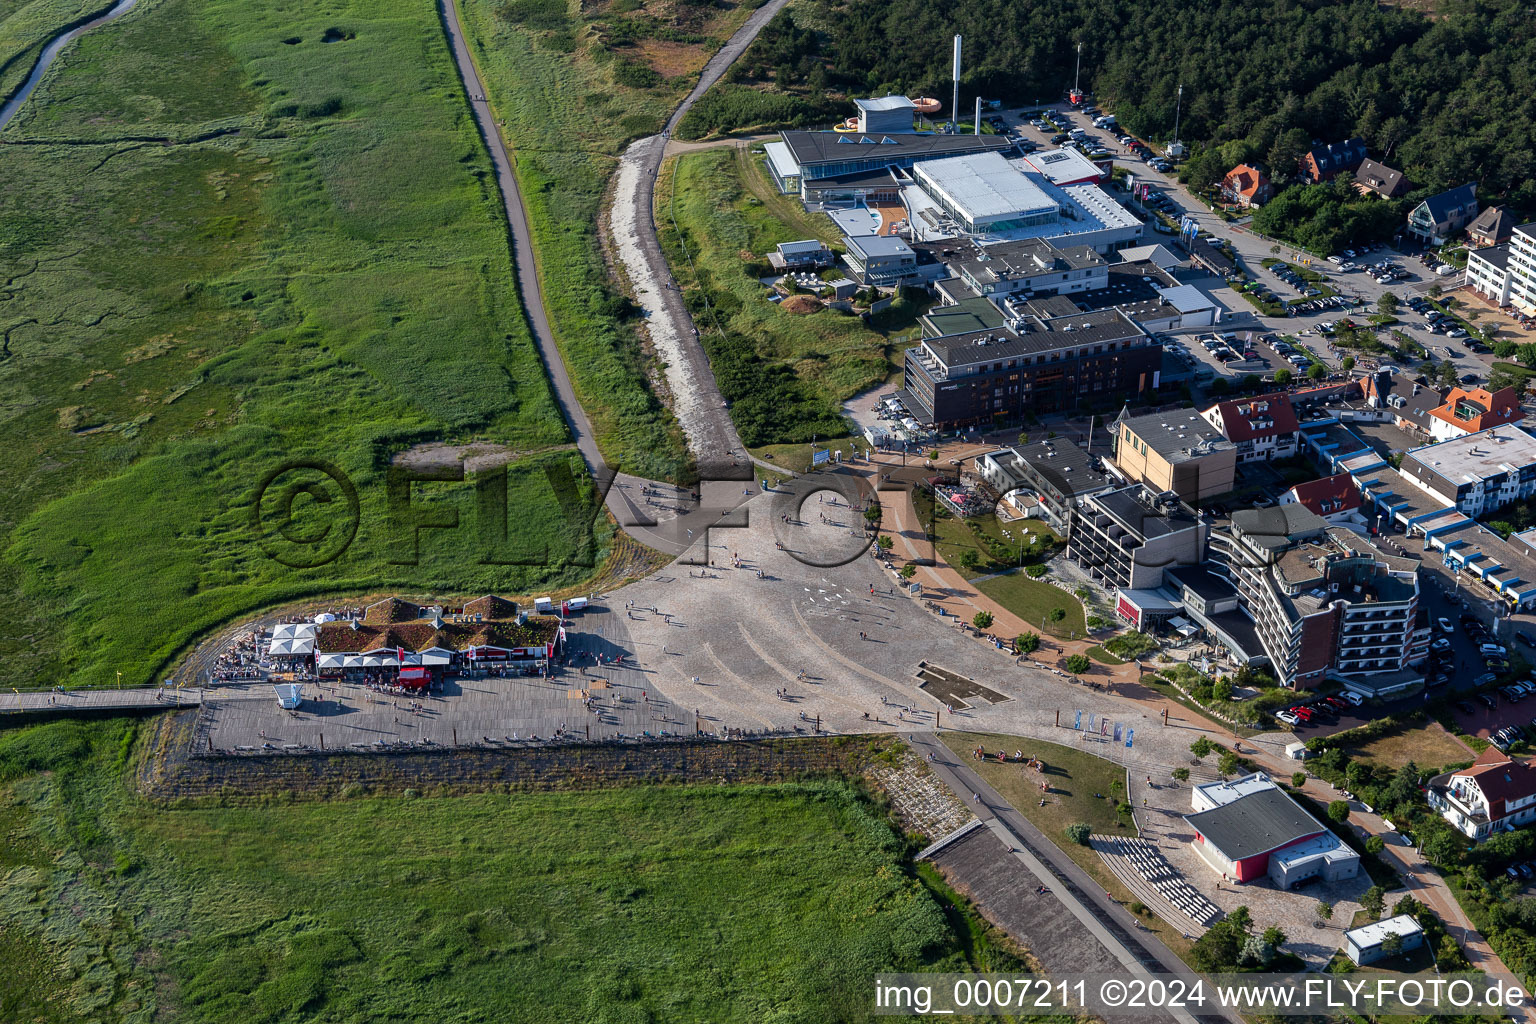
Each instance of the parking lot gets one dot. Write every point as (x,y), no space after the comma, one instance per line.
(1357,275)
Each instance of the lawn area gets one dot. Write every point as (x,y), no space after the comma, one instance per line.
(1083,788)
(785,374)
(597,906)
(331,284)
(796,458)
(1034,600)
(1103,657)
(995,550)
(1426,744)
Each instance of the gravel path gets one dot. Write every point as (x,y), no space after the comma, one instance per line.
(696,400)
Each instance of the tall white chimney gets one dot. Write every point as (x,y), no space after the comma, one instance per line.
(954,106)
(978,115)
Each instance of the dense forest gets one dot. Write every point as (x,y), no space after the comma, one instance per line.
(1447,99)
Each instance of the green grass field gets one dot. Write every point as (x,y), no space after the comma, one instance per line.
(786,374)
(720,903)
(333,282)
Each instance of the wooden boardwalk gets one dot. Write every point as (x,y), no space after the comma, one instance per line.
(98,700)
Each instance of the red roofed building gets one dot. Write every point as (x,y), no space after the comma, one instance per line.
(1497,793)
(1246,185)
(1262,428)
(1470,411)
(1332,497)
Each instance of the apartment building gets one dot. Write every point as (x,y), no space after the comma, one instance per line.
(1029,267)
(1176,451)
(1036,365)
(1261,428)
(1477,473)
(1506,274)
(1324,600)
(1128,537)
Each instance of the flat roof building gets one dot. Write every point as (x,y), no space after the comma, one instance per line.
(985,192)
(1036,365)
(1065,167)
(1057,470)
(885,114)
(1032,266)
(797,158)
(1477,473)
(1128,537)
(1240,825)
(1325,601)
(1364,945)
(1176,451)
(994,199)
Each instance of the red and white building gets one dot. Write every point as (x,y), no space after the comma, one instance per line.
(1336,498)
(1495,794)
(1249,828)
(1471,411)
(1262,428)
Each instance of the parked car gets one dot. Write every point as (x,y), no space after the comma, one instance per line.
(1445,625)
(1353,698)
(1489,699)
(1287,716)
(1465,707)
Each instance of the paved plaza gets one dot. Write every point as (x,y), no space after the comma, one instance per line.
(758,641)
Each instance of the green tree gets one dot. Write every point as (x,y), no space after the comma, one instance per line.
(1387,304)
(969,559)
(1274,936)
(1298,779)
(1078,832)
(1027,643)
(1375,845)
(886,542)
(1324,910)
(1202,746)
(1057,614)
(1447,373)
(1338,810)
(907,571)
(872,514)
(982,620)
(1391,945)
(1347,363)
(1285,153)
(1077,664)
(1316,371)
(1228,763)
(1283,376)
(1240,918)
(1374,901)
(1180,774)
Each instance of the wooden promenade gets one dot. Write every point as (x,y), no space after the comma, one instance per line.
(76,701)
